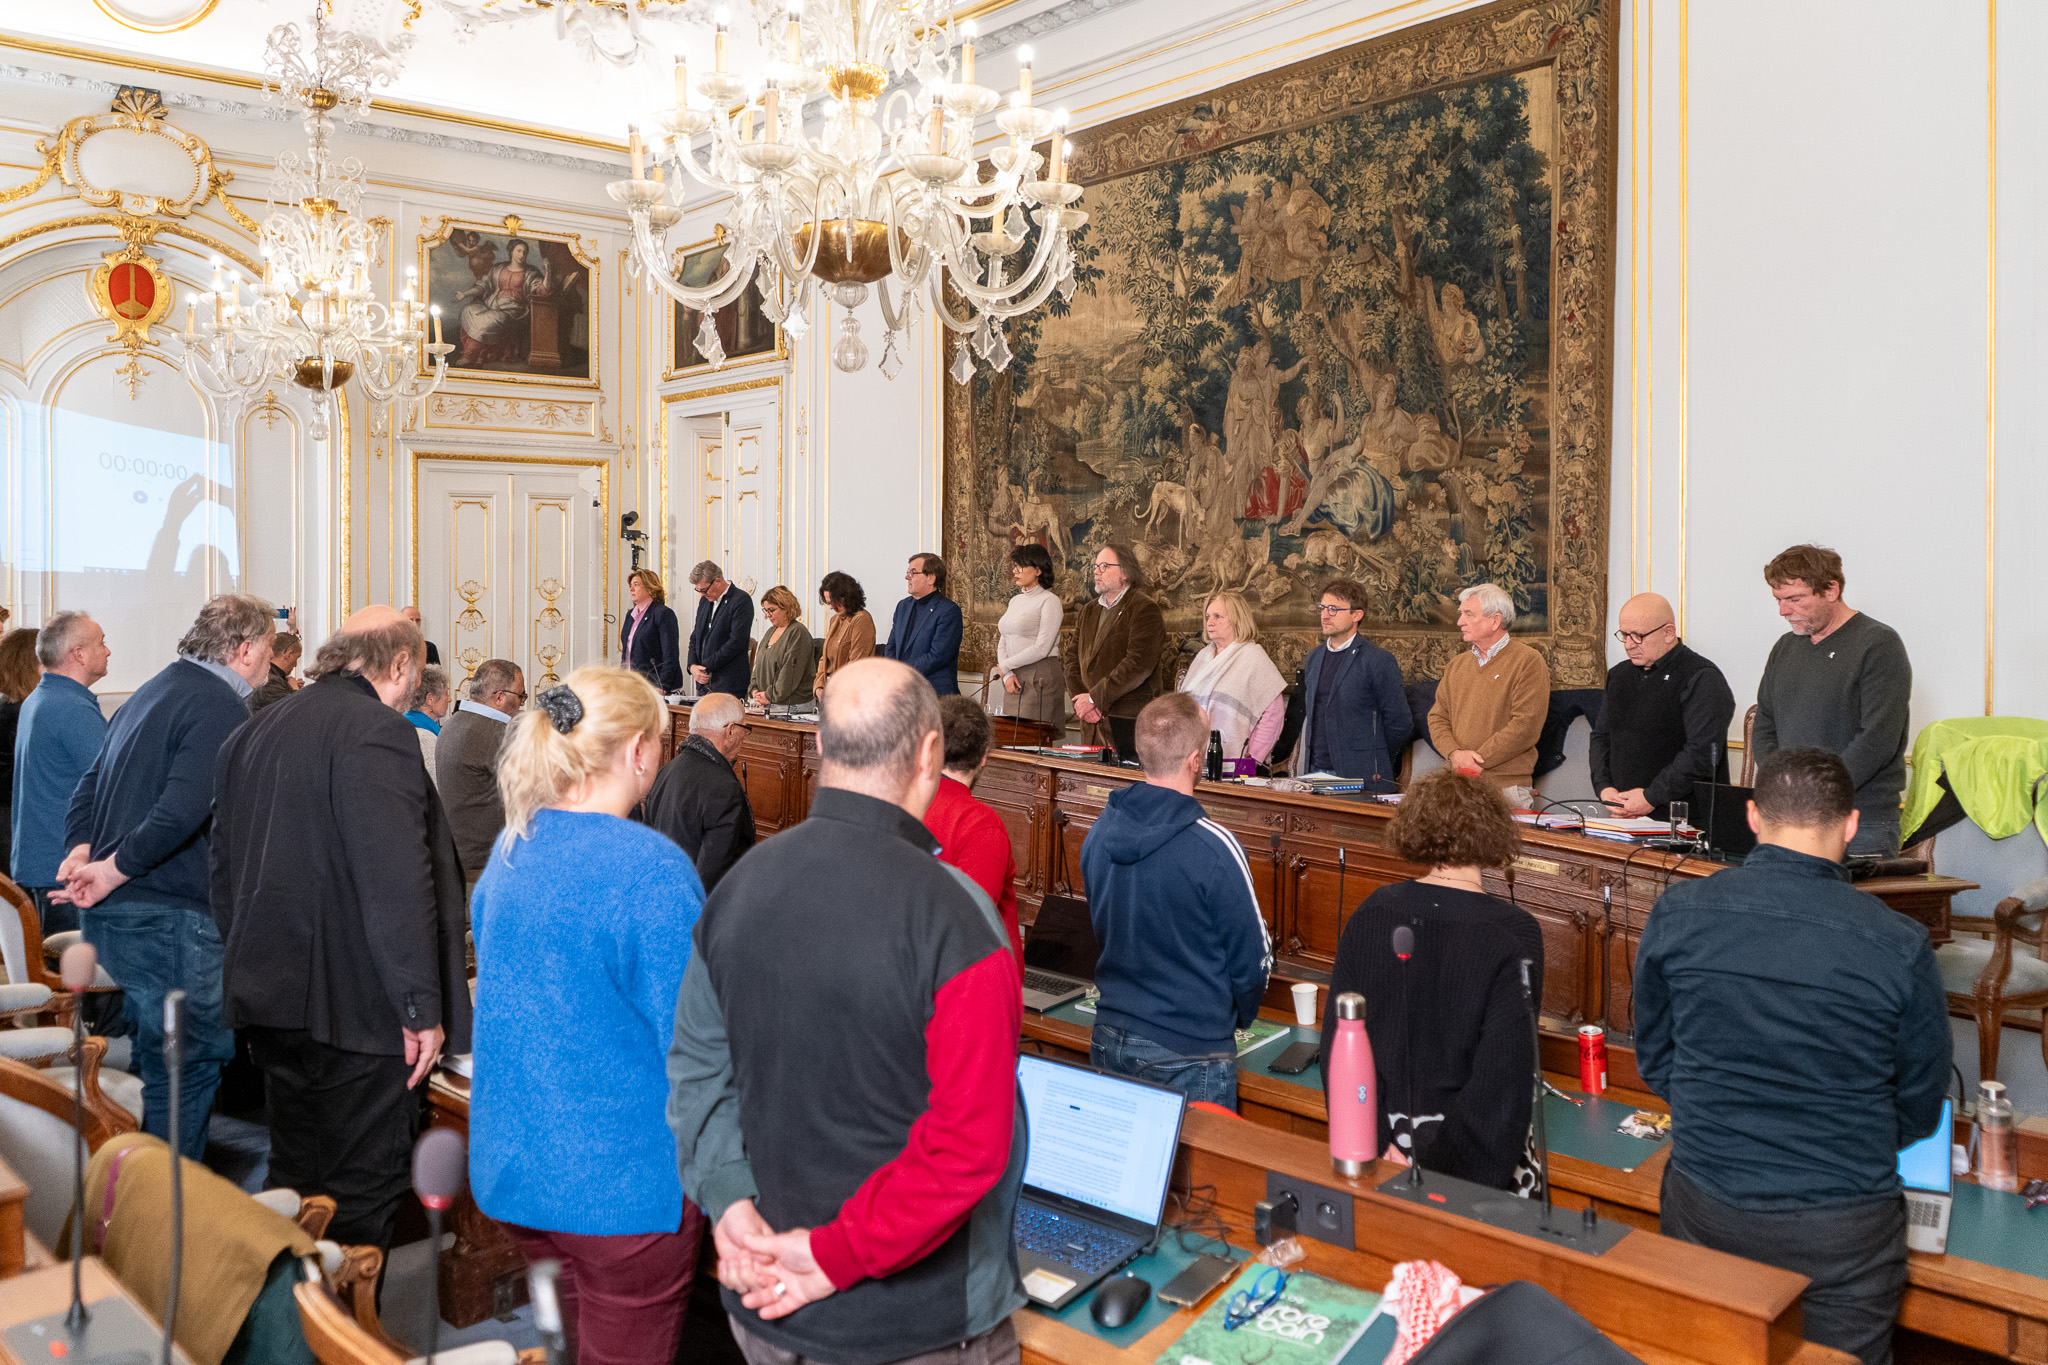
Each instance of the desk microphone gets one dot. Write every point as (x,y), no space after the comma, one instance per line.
(1591,1219)
(440,1169)
(78,966)
(174,1056)
(547,1309)
(114,1331)
(1404,949)
(1565,805)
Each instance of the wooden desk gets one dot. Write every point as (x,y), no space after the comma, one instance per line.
(1985,1307)
(482,1275)
(1665,1301)
(1314,858)
(49,1291)
(13,1232)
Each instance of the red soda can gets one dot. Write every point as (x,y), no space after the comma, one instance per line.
(1592,1059)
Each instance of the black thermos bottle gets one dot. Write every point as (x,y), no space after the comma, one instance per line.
(1215,765)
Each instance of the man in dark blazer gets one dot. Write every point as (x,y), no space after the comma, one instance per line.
(697,799)
(1355,719)
(718,642)
(466,760)
(1118,641)
(926,631)
(339,898)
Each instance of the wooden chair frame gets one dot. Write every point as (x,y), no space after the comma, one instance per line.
(30,1085)
(2011,920)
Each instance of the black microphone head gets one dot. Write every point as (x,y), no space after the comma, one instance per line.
(78,966)
(1404,942)
(440,1167)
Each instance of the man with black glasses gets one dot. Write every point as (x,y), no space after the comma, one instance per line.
(1664,723)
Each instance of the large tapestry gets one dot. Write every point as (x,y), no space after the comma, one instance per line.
(1350,318)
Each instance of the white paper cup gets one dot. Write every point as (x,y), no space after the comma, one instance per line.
(1305,1004)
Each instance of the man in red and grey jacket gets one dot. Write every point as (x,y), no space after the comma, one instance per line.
(843,1075)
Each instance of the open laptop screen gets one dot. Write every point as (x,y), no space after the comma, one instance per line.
(1925,1165)
(1103,1141)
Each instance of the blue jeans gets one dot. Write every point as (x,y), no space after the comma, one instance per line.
(1877,835)
(150,949)
(1212,1077)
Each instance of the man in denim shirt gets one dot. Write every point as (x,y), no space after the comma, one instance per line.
(1799,1030)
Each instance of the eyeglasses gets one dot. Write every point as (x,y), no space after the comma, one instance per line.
(1325,609)
(1636,637)
(1246,1304)
(508,692)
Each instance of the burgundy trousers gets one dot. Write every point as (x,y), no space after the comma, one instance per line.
(623,1298)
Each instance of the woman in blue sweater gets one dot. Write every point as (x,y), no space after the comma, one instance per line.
(583,922)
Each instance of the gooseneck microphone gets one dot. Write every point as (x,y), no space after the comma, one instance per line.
(1536,1104)
(174,1057)
(440,1170)
(78,967)
(1404,949)
(541,1282)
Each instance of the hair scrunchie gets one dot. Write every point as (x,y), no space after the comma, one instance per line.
(564,708)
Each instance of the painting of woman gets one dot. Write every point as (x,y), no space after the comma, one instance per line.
(494,311)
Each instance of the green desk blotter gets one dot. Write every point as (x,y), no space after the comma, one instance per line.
(1592,1132)
(1159,1267)
(1372,1348)
(1994,1228)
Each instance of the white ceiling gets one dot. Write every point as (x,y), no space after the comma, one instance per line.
(529,72)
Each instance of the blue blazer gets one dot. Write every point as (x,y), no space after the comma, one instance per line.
(655,654)
(1368,723)
(720,642)
(926,635)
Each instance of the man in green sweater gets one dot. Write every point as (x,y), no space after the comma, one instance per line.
(1838,681)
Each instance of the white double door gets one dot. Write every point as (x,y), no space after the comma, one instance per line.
(511,566)
(734,456)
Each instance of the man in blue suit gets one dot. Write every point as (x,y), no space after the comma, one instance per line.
(1356,720)
(718,642)
(926,632)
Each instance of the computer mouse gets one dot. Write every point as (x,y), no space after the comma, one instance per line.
(1119,1301)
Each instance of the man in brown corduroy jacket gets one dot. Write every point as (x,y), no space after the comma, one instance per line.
(1118,641)
(1492,701)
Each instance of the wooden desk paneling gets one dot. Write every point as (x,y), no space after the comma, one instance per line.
(1314,858)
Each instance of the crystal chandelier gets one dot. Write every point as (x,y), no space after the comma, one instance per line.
(312,319)
(890,196)
(615,32)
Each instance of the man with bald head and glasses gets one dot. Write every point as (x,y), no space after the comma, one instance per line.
(1664,723)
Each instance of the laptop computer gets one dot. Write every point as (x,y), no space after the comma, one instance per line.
(1095,1175)
(1722,814)
(1060,952)
(1929,1180)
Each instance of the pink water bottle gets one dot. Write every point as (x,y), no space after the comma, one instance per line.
(1354,1091)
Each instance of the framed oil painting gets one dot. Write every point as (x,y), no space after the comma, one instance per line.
(744,331)
(1349,318)
(518,306)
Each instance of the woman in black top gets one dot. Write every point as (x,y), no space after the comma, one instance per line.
(1450,1033)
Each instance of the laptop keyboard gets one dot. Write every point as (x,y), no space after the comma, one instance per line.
(1051,985)
(1924,1213)
(1084,1246)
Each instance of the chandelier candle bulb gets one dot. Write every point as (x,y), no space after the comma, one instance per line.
(637,152)
(723,43)
(793,35)
(938,147)
(191,307)
(682,83)
(436,311)
(771,110)
(1024,75)
(973,31)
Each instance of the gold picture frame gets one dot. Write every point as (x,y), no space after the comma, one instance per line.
(517,280)
(747,317)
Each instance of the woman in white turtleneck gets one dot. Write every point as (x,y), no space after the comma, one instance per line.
(1027,682)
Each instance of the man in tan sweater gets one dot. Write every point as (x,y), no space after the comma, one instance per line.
(1492,701)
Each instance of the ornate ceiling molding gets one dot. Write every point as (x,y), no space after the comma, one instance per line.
(1045,21)
(262,113)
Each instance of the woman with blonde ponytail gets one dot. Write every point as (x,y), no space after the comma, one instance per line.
(583,922)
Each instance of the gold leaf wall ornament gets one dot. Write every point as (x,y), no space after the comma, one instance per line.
(471,592)
(131,290)
(269,409)
(132,374)
(549,656)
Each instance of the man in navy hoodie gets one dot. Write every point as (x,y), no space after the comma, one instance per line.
(138,866)
(1185,953)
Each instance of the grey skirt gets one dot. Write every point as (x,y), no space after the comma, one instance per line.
(1044,694)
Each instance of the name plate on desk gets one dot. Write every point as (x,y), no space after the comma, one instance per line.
(1358,833)
(1543,865)
(1103,792)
